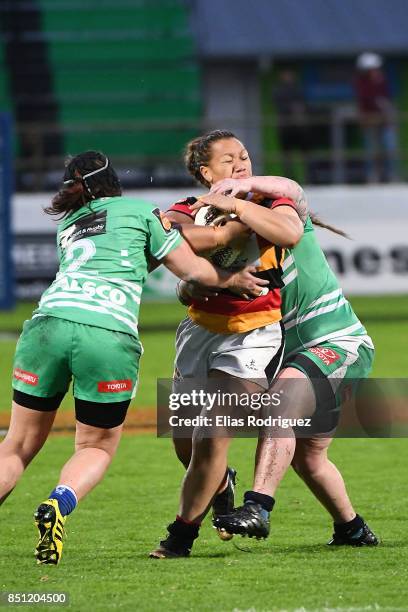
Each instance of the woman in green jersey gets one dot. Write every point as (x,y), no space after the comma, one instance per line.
(324,340)
(86,329)
(327,351)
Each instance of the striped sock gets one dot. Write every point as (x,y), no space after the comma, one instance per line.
(66,498)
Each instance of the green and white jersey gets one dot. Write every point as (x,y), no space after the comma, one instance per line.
(313,305)
(103,254)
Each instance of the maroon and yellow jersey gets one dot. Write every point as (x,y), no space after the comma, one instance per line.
(228,313)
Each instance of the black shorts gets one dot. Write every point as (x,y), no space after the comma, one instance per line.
(96,414)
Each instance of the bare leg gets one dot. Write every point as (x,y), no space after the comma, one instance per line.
(323,478)
(272,459)
(26,435)
(204,476)
(95,448)
(275,451)
(206,472)
(308,455)
(184,450)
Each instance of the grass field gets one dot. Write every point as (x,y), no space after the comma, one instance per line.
(386,319)
(105,564)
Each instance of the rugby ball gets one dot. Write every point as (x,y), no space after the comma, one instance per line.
(224,257)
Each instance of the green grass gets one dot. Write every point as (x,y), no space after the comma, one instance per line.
(152,314)
(105,564)
(386,319)
(390,307)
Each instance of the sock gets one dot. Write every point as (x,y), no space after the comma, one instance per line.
(66,498)
(186,522)
(184,533)
(266,501)
(349,528)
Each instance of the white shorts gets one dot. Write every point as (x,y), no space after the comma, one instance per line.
(255,355)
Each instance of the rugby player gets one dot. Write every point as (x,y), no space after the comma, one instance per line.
(86,328)
(227,337)
(325,340)
(327,352)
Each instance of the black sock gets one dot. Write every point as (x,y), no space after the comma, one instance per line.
(350,527)
(184,532)
(266,501)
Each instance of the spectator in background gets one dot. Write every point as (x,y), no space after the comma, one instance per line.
(292,119)
(377,119)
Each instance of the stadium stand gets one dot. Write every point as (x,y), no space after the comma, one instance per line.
(123,75)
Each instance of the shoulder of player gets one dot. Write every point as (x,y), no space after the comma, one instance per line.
(132,203)
(131,208)
(309,239)
(183,206)
(93,208)
(299,206)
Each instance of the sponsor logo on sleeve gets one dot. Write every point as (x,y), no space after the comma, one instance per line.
(26,377)
(327,355)
(166,223)
(114,386)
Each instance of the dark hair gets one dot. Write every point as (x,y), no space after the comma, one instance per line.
(87,176)
(198,152)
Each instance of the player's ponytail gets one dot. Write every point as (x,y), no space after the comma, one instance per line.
(316,221)
(197,152)
(88,176)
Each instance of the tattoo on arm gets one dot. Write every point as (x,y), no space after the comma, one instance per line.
(301,205)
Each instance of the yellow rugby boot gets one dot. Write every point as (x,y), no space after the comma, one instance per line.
(50,524)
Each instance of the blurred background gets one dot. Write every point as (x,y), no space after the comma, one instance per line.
(300,82)
(316,89)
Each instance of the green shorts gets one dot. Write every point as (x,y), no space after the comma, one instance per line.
(335,369)
(102,363)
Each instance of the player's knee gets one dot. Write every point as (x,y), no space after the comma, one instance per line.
(104,439)
(308,463)
(106,446)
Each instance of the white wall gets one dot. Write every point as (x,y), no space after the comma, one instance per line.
(376,218)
